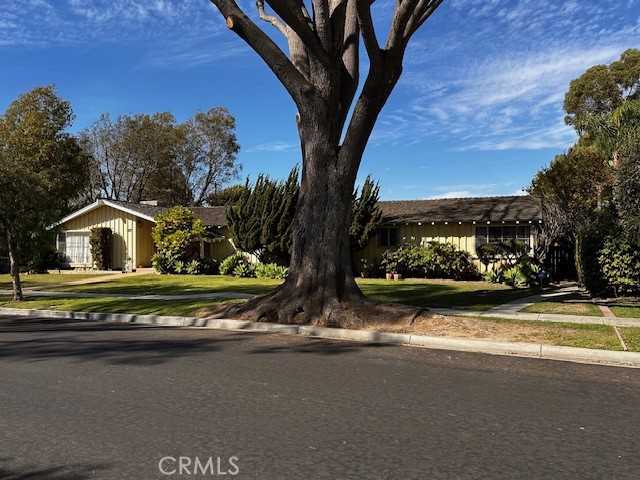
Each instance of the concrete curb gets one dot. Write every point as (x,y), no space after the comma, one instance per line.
(531,350)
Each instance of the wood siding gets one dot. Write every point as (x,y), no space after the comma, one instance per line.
(129,238)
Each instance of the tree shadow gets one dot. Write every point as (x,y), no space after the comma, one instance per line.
(114,349)
(63,472)
(319,347)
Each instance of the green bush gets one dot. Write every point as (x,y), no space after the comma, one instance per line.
(100,242)
(521,275)
(175,230)
(271,270)
(193,267)
(245,270)
(435,260)
(619,262)
(229,264)
(179,267)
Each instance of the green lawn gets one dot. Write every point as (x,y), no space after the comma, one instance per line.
(38,279)
(434,293)
(175,285)
(186,308)
(626,311)
(478,296)
(575,304)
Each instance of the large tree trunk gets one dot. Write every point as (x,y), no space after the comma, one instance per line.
(14,268)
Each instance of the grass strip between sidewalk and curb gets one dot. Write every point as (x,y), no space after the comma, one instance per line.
(553,352)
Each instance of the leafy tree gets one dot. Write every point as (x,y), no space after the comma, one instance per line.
(41,169)
(175,230)
(335,118)
(603,88)
(207,159)
(138,157)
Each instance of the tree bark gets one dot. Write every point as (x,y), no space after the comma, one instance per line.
(14,268)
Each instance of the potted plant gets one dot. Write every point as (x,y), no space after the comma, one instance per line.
(389,264)
(365,269)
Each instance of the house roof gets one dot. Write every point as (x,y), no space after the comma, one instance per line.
(478,209)
(210,216)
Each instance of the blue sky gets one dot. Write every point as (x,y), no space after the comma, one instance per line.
(477,112)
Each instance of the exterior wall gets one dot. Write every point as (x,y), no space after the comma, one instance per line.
(462,235)
(127,242)
(224,248)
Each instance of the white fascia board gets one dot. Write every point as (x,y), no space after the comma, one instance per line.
(99,203)
(128,210)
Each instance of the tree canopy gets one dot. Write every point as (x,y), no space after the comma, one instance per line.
(42,168)
(152,157)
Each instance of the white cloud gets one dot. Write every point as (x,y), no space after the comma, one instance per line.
(274,147)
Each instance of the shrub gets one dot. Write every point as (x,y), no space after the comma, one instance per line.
(435,260)
(175,230)
(193,267)
(271,270)
(209,266)
(229,264)
(245,269)
(100,242)
(619,263)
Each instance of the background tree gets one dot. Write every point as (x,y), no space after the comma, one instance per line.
(207,158)
(41,169)
(144,157)
(594,188)
(321,75)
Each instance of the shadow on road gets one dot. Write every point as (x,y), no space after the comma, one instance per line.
(42,339)
(67,472)
(37,339)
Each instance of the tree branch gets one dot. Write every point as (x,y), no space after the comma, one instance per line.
(293,14)
(275,21)
(294,82)
(369,34)
(321,19)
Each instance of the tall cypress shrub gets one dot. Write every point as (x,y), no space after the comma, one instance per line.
(100,242)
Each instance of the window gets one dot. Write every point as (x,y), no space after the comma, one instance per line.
(388,237)
(75,247)
(490,233)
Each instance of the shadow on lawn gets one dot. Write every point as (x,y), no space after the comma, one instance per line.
(443,295)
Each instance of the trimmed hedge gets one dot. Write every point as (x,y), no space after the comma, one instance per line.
(101,242)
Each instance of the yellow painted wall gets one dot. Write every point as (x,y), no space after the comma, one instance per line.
(222,249)
(127,241)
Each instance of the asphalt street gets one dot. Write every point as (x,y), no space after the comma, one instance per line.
(82,400)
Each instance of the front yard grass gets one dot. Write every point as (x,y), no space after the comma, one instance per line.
(153,284)
(477,296)
(430,293)
(574,304)
(39,279)
(187,308)
(626,311)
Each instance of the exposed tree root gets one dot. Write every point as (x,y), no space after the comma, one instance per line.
(286,307)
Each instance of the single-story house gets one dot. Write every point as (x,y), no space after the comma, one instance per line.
(464,222)
(131,224)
